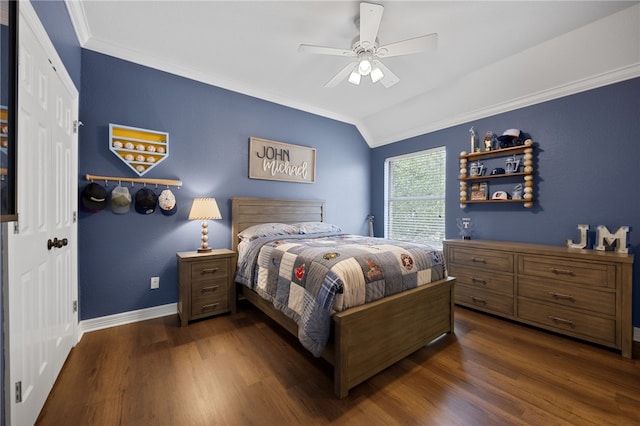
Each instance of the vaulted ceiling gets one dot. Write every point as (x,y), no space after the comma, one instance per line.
(491,56)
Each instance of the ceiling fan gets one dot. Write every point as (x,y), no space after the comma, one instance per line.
(368,53)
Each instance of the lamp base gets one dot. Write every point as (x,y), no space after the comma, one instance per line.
(204,250)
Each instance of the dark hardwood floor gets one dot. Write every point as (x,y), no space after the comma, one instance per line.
(243,369)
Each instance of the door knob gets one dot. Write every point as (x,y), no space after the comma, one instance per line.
(56,243)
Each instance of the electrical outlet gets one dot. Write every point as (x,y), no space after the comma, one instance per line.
(155,282)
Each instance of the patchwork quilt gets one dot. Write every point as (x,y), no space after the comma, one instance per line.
(310,277)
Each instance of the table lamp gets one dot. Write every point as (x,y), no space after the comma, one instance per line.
(204,209)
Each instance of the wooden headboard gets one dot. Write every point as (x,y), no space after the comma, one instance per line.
(246,212)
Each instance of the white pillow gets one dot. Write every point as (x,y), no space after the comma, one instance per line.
(267,230)
(316,227)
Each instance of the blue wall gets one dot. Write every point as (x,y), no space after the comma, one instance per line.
(209,138)
(586,164)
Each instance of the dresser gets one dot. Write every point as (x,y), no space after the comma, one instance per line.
(206,284)
(584,294)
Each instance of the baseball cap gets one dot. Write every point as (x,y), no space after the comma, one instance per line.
(94,197)
(510,137)
(120,200)
(146,201)
(167,203)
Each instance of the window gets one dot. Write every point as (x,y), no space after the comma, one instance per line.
(415,197)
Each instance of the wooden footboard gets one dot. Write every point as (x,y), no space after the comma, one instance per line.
(372,337)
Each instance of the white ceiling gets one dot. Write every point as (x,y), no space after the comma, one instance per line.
(491,56)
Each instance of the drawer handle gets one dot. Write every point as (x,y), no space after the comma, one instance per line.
(210,307)
(561,271)
(209,271)
(209,289)
(478,280)
(478,300)
(561,320)
(478,260)
(561,296)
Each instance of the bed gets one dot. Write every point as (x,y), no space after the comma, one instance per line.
(365,339)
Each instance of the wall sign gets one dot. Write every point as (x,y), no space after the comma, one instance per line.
(272,160)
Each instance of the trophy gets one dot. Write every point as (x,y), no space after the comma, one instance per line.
(474,138)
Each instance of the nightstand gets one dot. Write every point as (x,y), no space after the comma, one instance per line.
(206,284)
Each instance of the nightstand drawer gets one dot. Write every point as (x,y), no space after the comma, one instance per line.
(482,279)
(486,259)
(573,323)
(583,273)
(207,270)
(208,288)
(485,300)
(565,294)
(209,307)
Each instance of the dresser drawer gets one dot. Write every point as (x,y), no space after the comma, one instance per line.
(483,299)
(482,279)
(577,272)
(577,324)
(209,269)
(487,259)
(564,294)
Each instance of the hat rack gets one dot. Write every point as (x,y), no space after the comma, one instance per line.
(144,181)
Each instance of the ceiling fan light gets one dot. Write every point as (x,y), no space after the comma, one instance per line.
(364,68)
(354,78)
(376,74)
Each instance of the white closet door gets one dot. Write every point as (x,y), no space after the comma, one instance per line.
(42,281)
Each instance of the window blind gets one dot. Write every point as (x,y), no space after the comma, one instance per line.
(415,197)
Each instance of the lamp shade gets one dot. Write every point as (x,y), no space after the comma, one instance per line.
(204,209)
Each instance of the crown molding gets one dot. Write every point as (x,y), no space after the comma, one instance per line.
(578,86)
(78,20)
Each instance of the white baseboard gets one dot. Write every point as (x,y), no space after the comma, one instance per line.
(636,334)
(94,324)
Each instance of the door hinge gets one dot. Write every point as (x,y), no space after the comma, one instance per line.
(75,306)
(16,227)
(18,392)
(74,217)
(76,125)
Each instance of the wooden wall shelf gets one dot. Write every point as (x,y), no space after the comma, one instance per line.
(524,174)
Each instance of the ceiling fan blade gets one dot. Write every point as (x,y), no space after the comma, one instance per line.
(321,50)
(370,17)
(389,78)
(342,74)
(407,47)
